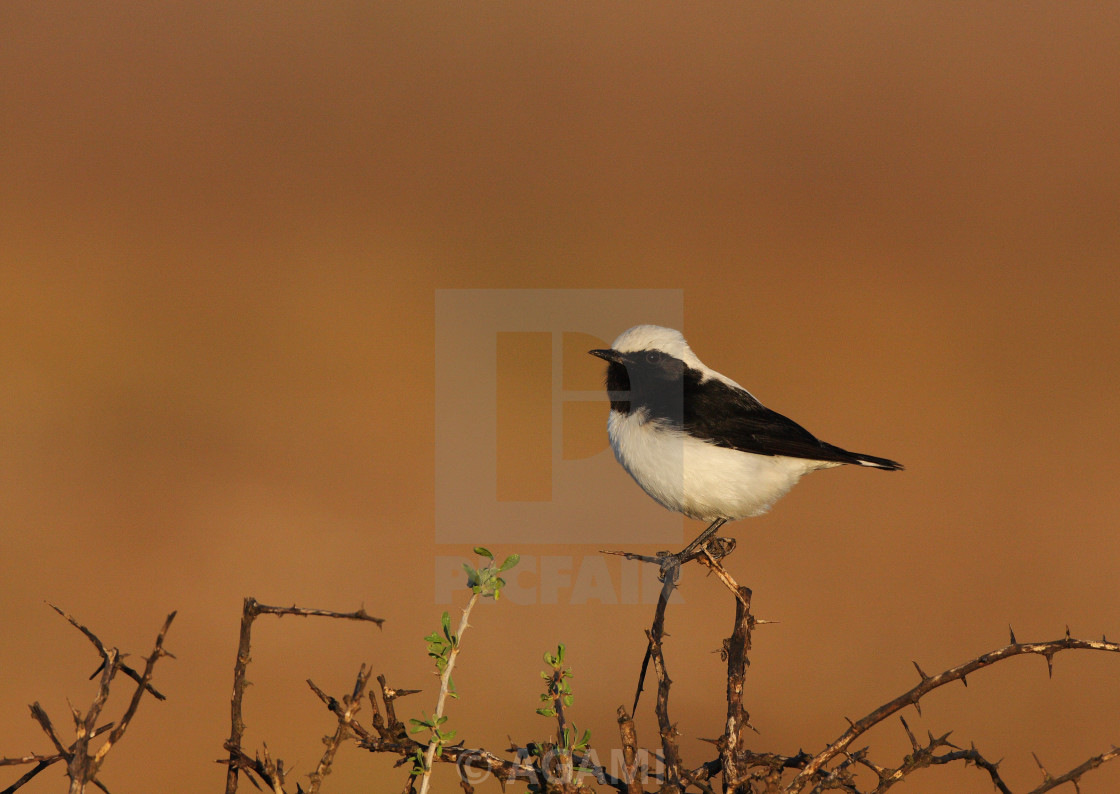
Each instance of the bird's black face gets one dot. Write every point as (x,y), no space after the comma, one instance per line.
(647,379)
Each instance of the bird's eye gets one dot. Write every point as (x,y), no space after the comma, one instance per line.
(653,357)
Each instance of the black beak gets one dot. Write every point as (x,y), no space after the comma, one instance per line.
(607,355)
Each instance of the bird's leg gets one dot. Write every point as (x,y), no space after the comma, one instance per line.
(701,540)
(672,562)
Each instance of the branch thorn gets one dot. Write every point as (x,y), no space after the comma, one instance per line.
(1045,775)
(909,733)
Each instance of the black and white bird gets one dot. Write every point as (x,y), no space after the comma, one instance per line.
(697,441)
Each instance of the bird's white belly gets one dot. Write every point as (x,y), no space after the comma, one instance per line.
(697,478)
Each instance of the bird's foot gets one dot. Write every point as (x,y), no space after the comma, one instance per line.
(718,548)
(670,566)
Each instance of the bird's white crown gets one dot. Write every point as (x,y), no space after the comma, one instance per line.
(667,340)
(653,337)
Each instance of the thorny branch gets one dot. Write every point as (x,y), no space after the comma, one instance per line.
(124,668)
(81,766)
(1073,775)
(668,730)
(238,760)
(928,683)
(741,769)
(345,711)
(737,768)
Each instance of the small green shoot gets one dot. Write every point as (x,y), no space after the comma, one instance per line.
(557,697)
(443,648)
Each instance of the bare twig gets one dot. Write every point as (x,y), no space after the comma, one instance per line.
(270,772)
(40,716)
(345,712)
(122,724)
(668,731)
(304,612)
(655,635)
(43,761)
(33,758)
(709,554)
(388,696)
(929,683)
(629,736)
(838,767)
(738,720)
(124,668)
(500,768)
(80,767)
(251,609)
(1074,775)
(655,632)
(923,756)
(712,563)
(31,773)
(249,612)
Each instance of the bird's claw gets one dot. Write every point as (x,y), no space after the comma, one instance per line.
(670,567)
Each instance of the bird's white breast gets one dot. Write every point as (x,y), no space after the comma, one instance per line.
(698,478)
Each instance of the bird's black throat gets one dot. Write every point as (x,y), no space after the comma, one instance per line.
(618,387)
(651,382)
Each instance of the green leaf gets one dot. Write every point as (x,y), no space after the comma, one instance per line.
(446,621)
(483,552)
(546,712)
(510,561)
(568,700)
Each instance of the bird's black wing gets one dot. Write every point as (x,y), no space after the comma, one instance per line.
(730,417)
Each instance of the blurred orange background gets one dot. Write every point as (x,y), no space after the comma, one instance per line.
(223,229)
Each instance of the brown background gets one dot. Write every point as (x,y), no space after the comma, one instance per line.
(222,230)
